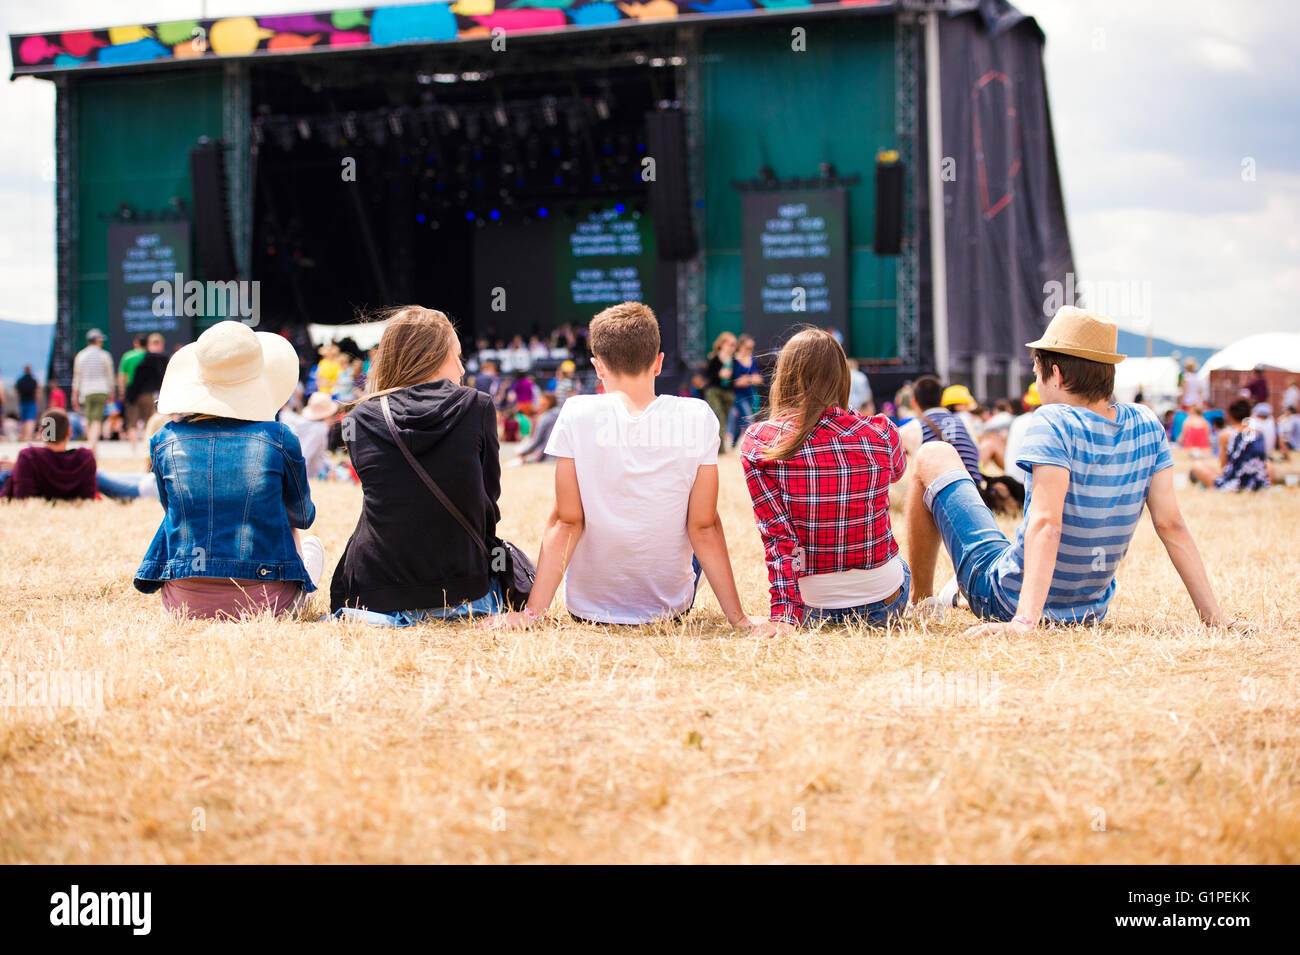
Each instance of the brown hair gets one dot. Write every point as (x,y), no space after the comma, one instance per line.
(59,418)
(415,344)
(1089,380)
(625,337)
(812,375)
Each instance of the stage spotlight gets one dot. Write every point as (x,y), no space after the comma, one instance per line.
(445,77)
(453,119)
(620,208)
(495,213)
(602,108)
(469,214)
(542,212)
(420,218)
(559,180)
(501,116)
(304,129)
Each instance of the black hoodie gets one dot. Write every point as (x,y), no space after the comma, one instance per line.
(407,552)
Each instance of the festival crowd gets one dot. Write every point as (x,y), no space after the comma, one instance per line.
(239,424)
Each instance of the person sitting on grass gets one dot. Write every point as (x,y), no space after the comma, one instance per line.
(535,450)
(410,559)
(1243,461)
(819,475)
(1092,465)
(636,492)
(52,470)
(232,482)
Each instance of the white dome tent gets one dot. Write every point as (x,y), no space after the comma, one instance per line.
(1271,349)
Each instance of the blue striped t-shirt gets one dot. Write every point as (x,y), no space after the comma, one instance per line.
(1111,464)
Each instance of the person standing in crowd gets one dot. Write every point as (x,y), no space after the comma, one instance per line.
(1195,390)
(1243,461)
(564,384)
(1257,387)
(958,400)
(747,379)
(409,559)
(818,475)
(141,395)
(1261,419)
(861,399)
(1016,434)
(93,386)
(1291,397)
(231,481)
(126,366)
(28,392)
(1288,432)
(524,393)
(1195,434)
(487,380)
(311,427)
(719,391)
(936,423)
(51,470)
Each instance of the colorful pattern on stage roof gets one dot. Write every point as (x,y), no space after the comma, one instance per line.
(364,27)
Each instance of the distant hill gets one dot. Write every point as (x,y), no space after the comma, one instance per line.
(22,343)
(1135,346)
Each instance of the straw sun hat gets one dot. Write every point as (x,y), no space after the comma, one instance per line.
(1083,334)
(231,372)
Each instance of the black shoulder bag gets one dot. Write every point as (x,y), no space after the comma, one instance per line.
(511,567)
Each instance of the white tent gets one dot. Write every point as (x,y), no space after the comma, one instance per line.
(1272,349)
(365,334)
(1156,378)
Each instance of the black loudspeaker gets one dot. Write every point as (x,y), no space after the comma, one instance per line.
(670,190)
(212,245)
(890,187)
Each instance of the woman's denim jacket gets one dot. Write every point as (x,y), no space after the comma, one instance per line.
(231,492)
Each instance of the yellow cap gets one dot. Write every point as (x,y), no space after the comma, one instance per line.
(1031,398)
(956,395)
(567,366)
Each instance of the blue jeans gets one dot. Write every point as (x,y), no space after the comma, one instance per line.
(118,487)
(972,538)
(695,566)
(491,602)
(742,415)
(878,614)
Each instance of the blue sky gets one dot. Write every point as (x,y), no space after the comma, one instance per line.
(1155,103)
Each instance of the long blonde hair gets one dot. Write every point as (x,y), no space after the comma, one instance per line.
(812,374)
(415,344)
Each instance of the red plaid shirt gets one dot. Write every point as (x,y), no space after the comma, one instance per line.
(826,509)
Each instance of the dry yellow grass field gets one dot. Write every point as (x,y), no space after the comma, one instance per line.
(1148,739)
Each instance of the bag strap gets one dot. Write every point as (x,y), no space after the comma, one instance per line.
(938,431)
(428,481)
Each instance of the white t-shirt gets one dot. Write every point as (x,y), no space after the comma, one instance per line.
(1015,438)
(635,474)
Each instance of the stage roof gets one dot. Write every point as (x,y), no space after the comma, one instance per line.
(333,31)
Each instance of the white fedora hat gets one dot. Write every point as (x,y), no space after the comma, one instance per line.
(230,372)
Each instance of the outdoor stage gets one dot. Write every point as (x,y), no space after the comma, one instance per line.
(738,167)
